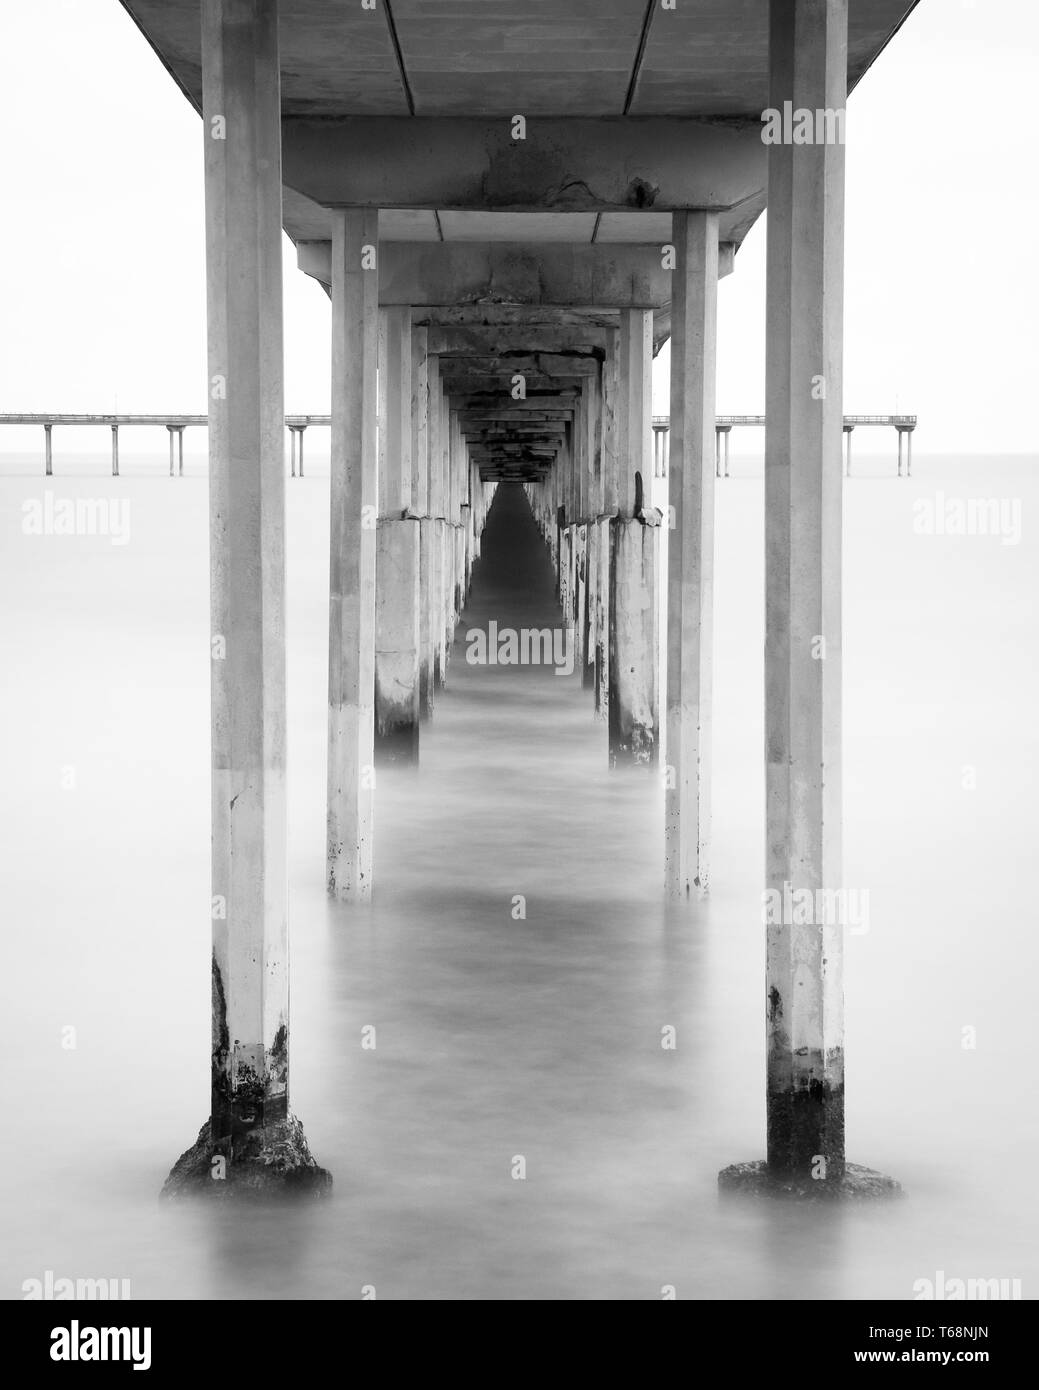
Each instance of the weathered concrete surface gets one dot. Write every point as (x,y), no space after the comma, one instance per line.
(854,1184)
(633,409)
(611,57)
(591,581)
(268,1164)
(250,991)
(602,528)
(691,474)
(395,411)
(584,338)
(572,164)
(803,484)
(634,713)
(427,617)
(424,273)
(419,421)
(353,83)
(397,640)
(351,652)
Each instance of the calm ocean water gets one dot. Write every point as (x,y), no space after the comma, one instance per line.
(497,1037)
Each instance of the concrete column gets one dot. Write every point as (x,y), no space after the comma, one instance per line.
(431,552)
(803,498)
(395,434)
(634,714)
(578,597)
(397,639)
(48,454)
(611,424)
(446,546)
(456,462)
(180,452)
(351,645)
(421,366)
(634,406)
(848,431)
(419,422)
(602,617)
(171,431)
(427,645)
(899,451)
(251,1127)
(592,531)
(607,510)
(115,450)
(296,448)
(634,718)
(909,453)
(398,551)
(690,611)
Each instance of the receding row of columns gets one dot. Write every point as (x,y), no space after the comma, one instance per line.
(407,506)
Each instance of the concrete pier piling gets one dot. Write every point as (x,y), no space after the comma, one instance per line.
(633,696)
(634,724)
(398,558)
(691,478)
(397,640)
(354,471)
(296,433)
(252,1143)
(803,500)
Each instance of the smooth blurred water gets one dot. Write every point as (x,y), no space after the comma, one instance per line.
(499,1037)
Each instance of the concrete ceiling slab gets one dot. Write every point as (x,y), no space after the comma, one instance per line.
(640,228)
(500,58)
(497,58)
(517,226)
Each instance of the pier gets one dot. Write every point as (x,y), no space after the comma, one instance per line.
(298,424)
(506,243)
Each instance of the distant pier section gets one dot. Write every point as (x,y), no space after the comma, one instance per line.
(724,425)
(298,424)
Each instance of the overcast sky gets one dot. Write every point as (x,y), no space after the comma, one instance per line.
(101,247)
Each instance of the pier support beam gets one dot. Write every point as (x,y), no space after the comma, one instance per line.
(634,707)
(176,432)
(398,551)
(397,640)
(803,495)
(251,1130)
(351,639)
(633,696)
(296,433)
(690,611)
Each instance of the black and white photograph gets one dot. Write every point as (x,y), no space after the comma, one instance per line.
(520,545)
